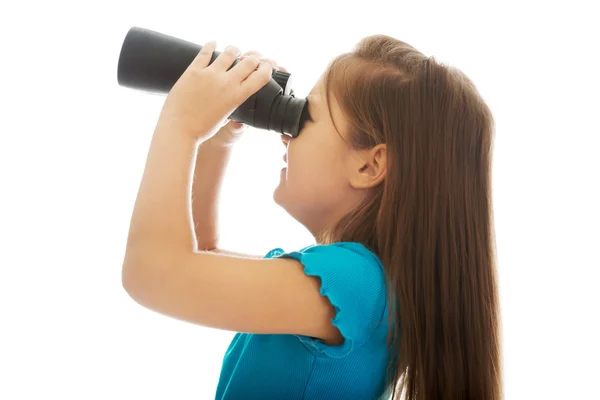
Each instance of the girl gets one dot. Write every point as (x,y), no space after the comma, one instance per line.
(391,175)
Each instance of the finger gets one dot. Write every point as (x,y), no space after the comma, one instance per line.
(259,56)
(256,80)
(236,127)
(226,58)
(255,53)
(273,63)
(202,59)
(244,68)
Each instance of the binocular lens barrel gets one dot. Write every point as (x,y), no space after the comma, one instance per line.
(153,62)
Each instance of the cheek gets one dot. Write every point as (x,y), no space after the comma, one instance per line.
(309,177)
(314,166)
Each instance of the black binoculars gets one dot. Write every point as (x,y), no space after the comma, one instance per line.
(153,62)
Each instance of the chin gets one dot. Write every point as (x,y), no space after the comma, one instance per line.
(277,195)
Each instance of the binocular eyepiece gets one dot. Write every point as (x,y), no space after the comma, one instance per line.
(153,62)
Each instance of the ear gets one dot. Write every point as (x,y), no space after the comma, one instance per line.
(369,168)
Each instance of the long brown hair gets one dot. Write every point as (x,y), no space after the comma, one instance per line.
(431,220)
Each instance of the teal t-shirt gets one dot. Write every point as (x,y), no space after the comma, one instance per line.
(261,366)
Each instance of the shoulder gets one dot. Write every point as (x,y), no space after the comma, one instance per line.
(345,257)
(353,279)
(340,251)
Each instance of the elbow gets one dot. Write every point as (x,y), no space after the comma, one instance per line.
(142,270)
(129,276)
(128,280)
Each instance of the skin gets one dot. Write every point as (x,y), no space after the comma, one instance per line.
(325,177)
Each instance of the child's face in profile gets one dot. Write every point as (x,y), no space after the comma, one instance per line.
(314,188)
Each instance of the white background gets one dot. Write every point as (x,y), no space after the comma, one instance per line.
(73,145)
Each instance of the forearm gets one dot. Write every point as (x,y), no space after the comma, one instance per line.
(212,158)
(161,214)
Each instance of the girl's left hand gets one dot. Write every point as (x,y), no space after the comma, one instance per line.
(205,95)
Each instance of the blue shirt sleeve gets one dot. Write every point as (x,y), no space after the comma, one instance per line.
(353,279)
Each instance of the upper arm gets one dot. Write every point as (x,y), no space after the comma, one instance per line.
(234,293)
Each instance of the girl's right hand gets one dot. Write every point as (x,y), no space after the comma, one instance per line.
(233,130)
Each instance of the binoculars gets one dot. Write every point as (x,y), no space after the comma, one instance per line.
(153,62)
